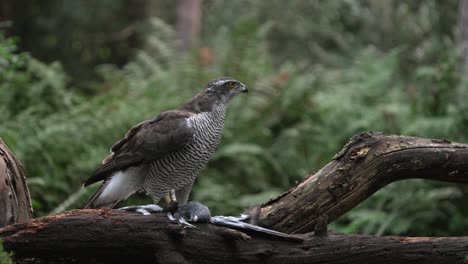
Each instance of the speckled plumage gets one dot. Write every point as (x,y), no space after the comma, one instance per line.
(167,152)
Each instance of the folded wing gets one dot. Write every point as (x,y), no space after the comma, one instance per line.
(147,141)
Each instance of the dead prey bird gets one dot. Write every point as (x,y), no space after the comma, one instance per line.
(197,212)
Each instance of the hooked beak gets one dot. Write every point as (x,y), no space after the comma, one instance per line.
(245,89)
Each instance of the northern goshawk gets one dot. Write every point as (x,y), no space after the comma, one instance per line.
(166,153)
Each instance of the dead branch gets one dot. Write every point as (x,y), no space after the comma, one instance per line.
(368,162)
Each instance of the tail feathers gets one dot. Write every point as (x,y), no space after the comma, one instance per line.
(115,189)
(92,201)
(98,201)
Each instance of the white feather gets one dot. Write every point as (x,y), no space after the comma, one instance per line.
(121,185)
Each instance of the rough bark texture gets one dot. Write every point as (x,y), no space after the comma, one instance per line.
(111,236)
(367,163)
(15,202)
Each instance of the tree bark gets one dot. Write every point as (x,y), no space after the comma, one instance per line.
(15,202)
(111,236)
(367,163)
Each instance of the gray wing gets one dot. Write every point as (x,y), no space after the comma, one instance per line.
(147,141)
(237,223)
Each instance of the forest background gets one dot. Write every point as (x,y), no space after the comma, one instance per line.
(76,75)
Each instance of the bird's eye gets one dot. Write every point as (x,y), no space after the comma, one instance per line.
(232,84)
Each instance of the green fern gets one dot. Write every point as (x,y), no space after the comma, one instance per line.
(5,257)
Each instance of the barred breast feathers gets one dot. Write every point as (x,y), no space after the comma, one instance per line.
(181,168)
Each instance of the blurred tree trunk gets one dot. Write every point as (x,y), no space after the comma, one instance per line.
(188,22)
(5,10)
(15,201)
(462,35)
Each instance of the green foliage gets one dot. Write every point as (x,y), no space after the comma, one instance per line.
(5,257)
(333,69)
(390,212)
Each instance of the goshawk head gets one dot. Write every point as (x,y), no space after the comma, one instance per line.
(225,88)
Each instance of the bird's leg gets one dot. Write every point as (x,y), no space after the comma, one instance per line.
(154,208)
(172,195)
(197,212)
(171,202)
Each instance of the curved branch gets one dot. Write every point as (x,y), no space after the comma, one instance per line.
(368,162)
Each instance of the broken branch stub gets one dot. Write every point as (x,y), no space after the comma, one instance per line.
(15,202)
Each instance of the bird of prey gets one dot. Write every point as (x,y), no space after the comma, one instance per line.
(164,155)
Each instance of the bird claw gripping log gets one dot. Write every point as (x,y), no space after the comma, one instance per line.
(197,212)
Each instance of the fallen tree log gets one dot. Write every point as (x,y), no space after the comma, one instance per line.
(112,236)
(367,163)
